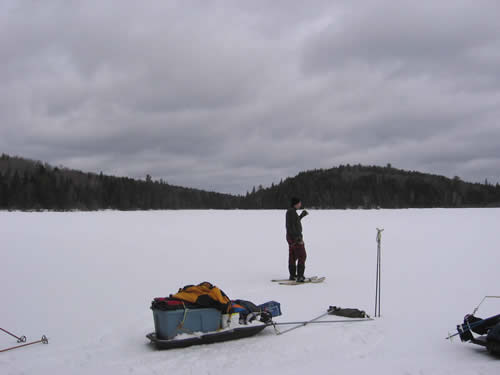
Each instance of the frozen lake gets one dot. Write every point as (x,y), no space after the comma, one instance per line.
(86,280)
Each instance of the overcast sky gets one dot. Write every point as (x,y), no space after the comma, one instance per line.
(227,95)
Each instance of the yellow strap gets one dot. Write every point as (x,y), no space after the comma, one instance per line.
(181,324)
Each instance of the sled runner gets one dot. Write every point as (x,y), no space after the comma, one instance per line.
(207,338)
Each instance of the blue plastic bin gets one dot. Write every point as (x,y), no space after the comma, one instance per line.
(170,323)
(273,307)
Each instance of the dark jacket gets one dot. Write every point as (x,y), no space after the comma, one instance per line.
(293,225)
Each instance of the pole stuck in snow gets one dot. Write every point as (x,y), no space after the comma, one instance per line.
(378,274)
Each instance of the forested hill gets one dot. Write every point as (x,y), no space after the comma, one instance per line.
(27,185)
(375,187)
(31,185)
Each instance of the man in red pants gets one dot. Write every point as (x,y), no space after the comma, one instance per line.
(296,250)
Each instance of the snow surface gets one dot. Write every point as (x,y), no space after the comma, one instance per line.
(86,280)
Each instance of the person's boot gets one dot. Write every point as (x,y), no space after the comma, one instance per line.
(300,273)
(293,271)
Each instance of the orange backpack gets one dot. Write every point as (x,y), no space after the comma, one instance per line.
(206,295)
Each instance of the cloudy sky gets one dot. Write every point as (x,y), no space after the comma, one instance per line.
(226,95)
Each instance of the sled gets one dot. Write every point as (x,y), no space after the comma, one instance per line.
(206,338)
(203,314)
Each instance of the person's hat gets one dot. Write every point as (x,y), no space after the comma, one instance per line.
(294,201)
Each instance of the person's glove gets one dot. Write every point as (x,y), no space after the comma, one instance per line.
(299,242)
(304,214)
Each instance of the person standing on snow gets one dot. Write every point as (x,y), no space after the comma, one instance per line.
(296,250)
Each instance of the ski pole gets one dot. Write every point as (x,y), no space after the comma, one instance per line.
(43,340)
(323,321)
(376,286)
(378,273)
(472,325)
(485,297)
(301,324)
(379,267)
(379,270)
(19,339)
(469,326)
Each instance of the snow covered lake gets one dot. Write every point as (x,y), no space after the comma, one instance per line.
(86,281)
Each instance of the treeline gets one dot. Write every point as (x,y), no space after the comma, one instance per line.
(33,185)
(375,187)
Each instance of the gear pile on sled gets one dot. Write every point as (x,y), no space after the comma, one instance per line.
(203,314)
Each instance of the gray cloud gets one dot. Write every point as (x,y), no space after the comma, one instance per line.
(226,95)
